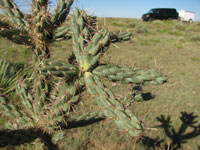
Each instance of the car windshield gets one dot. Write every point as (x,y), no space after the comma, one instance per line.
(150,11)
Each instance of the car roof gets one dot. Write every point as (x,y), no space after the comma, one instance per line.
(163,8)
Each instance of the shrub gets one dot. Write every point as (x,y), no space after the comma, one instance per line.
(180,27)
(195,37)
(141,29)
(132,25)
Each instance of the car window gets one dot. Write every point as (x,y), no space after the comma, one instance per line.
(173,11)
(150,11)
(162,11)
(156,11)
(169,11)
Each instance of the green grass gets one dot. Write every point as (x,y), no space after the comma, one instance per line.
(14,52)
(163,45)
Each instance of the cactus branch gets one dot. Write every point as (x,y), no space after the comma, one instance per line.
(58,69)
(122,36)
(128,75)
(122,116)
(12,11)
(15,35)
(62,33)
(61,12)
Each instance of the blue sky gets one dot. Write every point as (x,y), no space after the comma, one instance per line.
(135,8)
(130,8)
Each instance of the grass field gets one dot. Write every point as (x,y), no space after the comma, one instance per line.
(171,119)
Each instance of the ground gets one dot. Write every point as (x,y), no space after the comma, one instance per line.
(171,47)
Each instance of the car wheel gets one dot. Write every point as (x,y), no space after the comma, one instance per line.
(170,19)
(190,21)
(151,19)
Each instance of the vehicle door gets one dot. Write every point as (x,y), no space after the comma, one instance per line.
(163,14)
(156,14)
(173,14)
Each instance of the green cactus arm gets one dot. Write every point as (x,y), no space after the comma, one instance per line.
(16,118)
(27,99)
(128,75)
(81,29)
(12,11)
(58,69)
(78,40)
(87,47)
(62,96)
(62,33)
(123,36)
(41,20)
(61,12)
(102,39)
(15,35)
(39,5)
(86,23)
(65,31)
(33,92)
(122,116)
(39,109)
(41,28)
(68,94)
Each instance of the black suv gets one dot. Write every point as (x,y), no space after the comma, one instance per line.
(160,13)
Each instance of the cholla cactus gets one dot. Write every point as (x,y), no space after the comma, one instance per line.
(54,86)
(88,47)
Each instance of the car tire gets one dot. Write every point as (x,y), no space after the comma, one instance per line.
(170,19)
(151,19)
(190,21)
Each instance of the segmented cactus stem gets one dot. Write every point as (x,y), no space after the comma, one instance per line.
(12,11)
(122,116)
(61,11)
(128,75)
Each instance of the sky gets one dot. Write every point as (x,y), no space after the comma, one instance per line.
(129,8)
